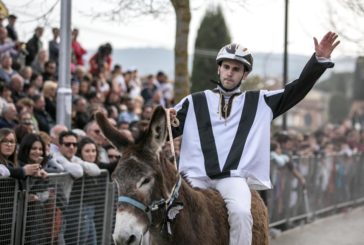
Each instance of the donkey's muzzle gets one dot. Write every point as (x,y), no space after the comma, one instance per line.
(131,239)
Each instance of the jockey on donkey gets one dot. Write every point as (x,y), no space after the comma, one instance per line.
(157,205)
(225,146)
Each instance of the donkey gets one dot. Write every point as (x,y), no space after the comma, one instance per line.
(156,205)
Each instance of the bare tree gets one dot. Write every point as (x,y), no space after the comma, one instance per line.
(346,18)
(183,19)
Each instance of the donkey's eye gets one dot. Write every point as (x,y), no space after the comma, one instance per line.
(145,181)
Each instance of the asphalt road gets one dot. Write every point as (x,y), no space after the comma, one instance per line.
(342,229)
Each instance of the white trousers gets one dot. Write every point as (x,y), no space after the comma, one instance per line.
(237,196)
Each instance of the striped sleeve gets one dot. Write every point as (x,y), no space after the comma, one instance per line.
(182,109)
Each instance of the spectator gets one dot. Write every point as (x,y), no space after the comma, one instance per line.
(6,70)
(166,89)
(101,60)
(129,115)
(79,132)
(9,116)
(32,150)
(135,83)
(20,131)
(79,74)
(71,163)
(149,89)
(7,46)
(157,98)
(53,46)
(75,87)
(55,131)
(113,154)
(113,99)
(12,33)
(74,165)
(138,105)
(26,119)
(5,95)
(61,201)
(87,151)
(92,129)
(26,72)
(78,50)
(79,111)
(17,87)
(85,87)
(47,143)
(34,45)
(27,105)
(50,93)
(8,159)
(147,112)
(117,78)
(102,85)
(112,112)
(39,62)
(50,71)
(36,80)
(45,121)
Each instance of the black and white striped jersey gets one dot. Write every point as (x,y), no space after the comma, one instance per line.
(235,142)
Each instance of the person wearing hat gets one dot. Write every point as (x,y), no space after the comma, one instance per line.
(12,33)
(226,131)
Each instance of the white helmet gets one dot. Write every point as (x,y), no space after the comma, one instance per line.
(237,52)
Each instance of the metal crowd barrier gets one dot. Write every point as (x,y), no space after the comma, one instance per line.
(61,210)
(58,210)
(8,200)
(333,184)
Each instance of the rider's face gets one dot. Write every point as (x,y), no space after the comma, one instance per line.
(231,72)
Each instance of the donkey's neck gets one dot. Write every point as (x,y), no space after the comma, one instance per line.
(203,219)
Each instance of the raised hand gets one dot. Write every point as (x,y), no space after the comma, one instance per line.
(327,44)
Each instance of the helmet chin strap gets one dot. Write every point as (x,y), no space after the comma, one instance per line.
(219,83)
(222,86)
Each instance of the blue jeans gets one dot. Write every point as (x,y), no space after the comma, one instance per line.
(88,230)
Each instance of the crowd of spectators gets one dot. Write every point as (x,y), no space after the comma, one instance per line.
(28,90)
(33,144)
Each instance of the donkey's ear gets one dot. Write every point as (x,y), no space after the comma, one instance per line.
(157,132)
(117,138)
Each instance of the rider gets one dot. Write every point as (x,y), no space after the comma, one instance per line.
(226,131)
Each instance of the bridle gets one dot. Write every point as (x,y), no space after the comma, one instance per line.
(155,205)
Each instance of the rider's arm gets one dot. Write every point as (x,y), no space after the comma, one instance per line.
(282,100)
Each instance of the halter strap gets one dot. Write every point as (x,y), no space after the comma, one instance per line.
(155,204)
(137,204)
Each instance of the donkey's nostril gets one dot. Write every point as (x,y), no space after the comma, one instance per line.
(131,239)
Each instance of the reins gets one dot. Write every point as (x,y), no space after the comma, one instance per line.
(174,123)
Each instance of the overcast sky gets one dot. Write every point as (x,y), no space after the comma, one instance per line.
(259,26)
